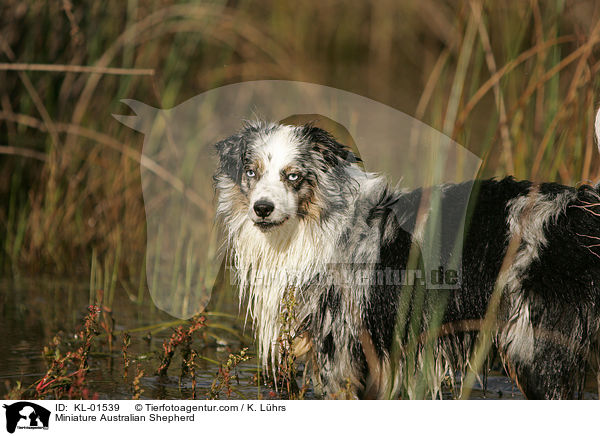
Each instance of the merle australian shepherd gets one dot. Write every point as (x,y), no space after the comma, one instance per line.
(296,205)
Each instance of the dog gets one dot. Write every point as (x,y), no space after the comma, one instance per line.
(298,210)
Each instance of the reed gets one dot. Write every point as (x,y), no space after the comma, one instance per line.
(515,83)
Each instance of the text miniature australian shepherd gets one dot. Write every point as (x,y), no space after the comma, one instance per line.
(297,207)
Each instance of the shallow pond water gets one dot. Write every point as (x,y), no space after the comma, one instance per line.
(35,311)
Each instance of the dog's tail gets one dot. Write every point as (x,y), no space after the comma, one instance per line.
(597,125)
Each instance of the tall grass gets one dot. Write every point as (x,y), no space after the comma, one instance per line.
(515,82)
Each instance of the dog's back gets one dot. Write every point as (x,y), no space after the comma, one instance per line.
(548,320)
(534,247)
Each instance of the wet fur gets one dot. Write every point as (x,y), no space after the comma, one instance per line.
(548,324)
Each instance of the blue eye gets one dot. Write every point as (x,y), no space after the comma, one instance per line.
(250,173)
(292,177)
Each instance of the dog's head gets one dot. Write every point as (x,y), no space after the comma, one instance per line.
(272,174)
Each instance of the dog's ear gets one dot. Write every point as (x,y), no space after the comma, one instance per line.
(332,152)
(231,152)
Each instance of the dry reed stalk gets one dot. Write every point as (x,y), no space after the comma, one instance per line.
(507,68)
(62,68)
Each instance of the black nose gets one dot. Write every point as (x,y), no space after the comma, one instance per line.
(263,208)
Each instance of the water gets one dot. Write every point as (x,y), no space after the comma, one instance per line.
(35,310)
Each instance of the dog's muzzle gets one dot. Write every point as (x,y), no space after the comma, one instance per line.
(263,208)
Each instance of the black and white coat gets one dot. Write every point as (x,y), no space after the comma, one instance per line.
(296,207)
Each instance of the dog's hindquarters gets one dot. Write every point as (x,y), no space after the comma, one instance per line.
(552,320)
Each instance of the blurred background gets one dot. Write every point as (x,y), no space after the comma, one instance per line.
(516,83)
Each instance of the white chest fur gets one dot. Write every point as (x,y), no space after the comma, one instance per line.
(270,263)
